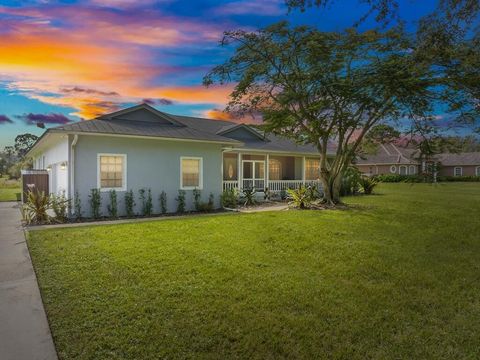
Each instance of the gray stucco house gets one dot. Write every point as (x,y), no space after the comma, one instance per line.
(141,147)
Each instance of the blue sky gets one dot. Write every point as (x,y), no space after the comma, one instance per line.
(65,61)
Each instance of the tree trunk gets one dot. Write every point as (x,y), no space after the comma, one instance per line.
(331,188)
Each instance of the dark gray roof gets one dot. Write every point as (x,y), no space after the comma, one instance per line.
(181,127)
(465,159)
(388,154)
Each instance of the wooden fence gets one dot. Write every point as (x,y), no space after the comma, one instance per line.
(34,180)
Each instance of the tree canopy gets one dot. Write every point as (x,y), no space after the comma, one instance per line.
(322,87)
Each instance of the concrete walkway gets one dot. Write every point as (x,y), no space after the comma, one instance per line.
(24,331)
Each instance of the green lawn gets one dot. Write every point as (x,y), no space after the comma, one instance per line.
(395,277)
(9,189)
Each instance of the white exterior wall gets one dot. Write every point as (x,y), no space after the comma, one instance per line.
(53,157)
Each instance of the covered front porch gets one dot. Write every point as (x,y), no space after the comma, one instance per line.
(275,172)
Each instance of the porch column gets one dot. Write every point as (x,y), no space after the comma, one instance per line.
(266,172)
(303,170)
(239,170)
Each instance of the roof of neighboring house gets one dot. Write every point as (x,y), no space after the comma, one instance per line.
(144,120)
(388,154)
(460,159)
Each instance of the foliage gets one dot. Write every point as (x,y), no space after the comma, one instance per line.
(350,181)
(15,170)
(129,203)
(367,184)
(147,203)
(112,207)
(342,280)
(322,87)
(60,206)
(163,202)
(249,196)
(313,193)
(267,194)
(181,205)
(207,206)
(283,194)
(77,206)
(95,202)
(229,198)
(35,210)
(23,143)
(196,198)
(395,178)
(300,198)
(458,178)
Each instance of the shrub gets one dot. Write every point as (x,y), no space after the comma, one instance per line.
(60,206)
(146,199)
(458,178)
(395,178)
(283,194)
(129,203)
(229,198)
(267,194)
(95,202)
(180,201)
(35,209)
(249,196)
(299,198)
(77,205)
(313,192)
(350,181)
(163,202)
(367,184)
(196,199)
(112,207)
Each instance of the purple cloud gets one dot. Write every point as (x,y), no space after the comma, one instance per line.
(4,119)
(160,101)
(80,90)
(33,119)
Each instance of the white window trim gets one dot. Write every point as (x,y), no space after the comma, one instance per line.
(477,171)
(455,171)
(412,170)
(393,169)
(124,178)
(200,175)
(403,167)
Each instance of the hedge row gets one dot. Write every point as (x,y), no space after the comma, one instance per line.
(395,178)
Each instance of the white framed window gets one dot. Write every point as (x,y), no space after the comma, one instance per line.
(393,169)
(477,171)
(458,171)
(112,172)
(412,170)
(191,173)
(274,169)
(312,169)
(403,169)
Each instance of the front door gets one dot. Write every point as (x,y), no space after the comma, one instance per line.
(253,174)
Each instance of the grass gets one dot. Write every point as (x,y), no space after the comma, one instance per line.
(9,189)
(395,277)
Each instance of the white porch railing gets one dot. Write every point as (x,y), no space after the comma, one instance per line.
(273,185)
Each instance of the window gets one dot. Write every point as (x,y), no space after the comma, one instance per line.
(413,169)
(191,173)
(312,169)
(393,169)
(477,171)
(112,172)
(457,171)
(274,169)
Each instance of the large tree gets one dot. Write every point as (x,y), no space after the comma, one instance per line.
(322,87)
(23,143)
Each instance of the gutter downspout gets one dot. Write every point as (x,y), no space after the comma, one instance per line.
(72,169)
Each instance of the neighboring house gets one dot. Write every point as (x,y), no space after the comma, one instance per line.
(463,164)
(141,147)
(389,159)
(395,159)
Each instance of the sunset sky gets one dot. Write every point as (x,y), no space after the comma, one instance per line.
(64,61)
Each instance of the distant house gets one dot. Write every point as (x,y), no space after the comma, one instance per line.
(389,159)
(395,159)
(463,164)
(141,147)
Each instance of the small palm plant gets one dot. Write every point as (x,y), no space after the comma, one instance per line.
(249,196)
(367,184)
(35,209)
(299,198)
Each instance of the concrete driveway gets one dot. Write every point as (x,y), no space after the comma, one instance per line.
(24,331)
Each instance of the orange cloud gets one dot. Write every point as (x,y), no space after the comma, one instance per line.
(110,53)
